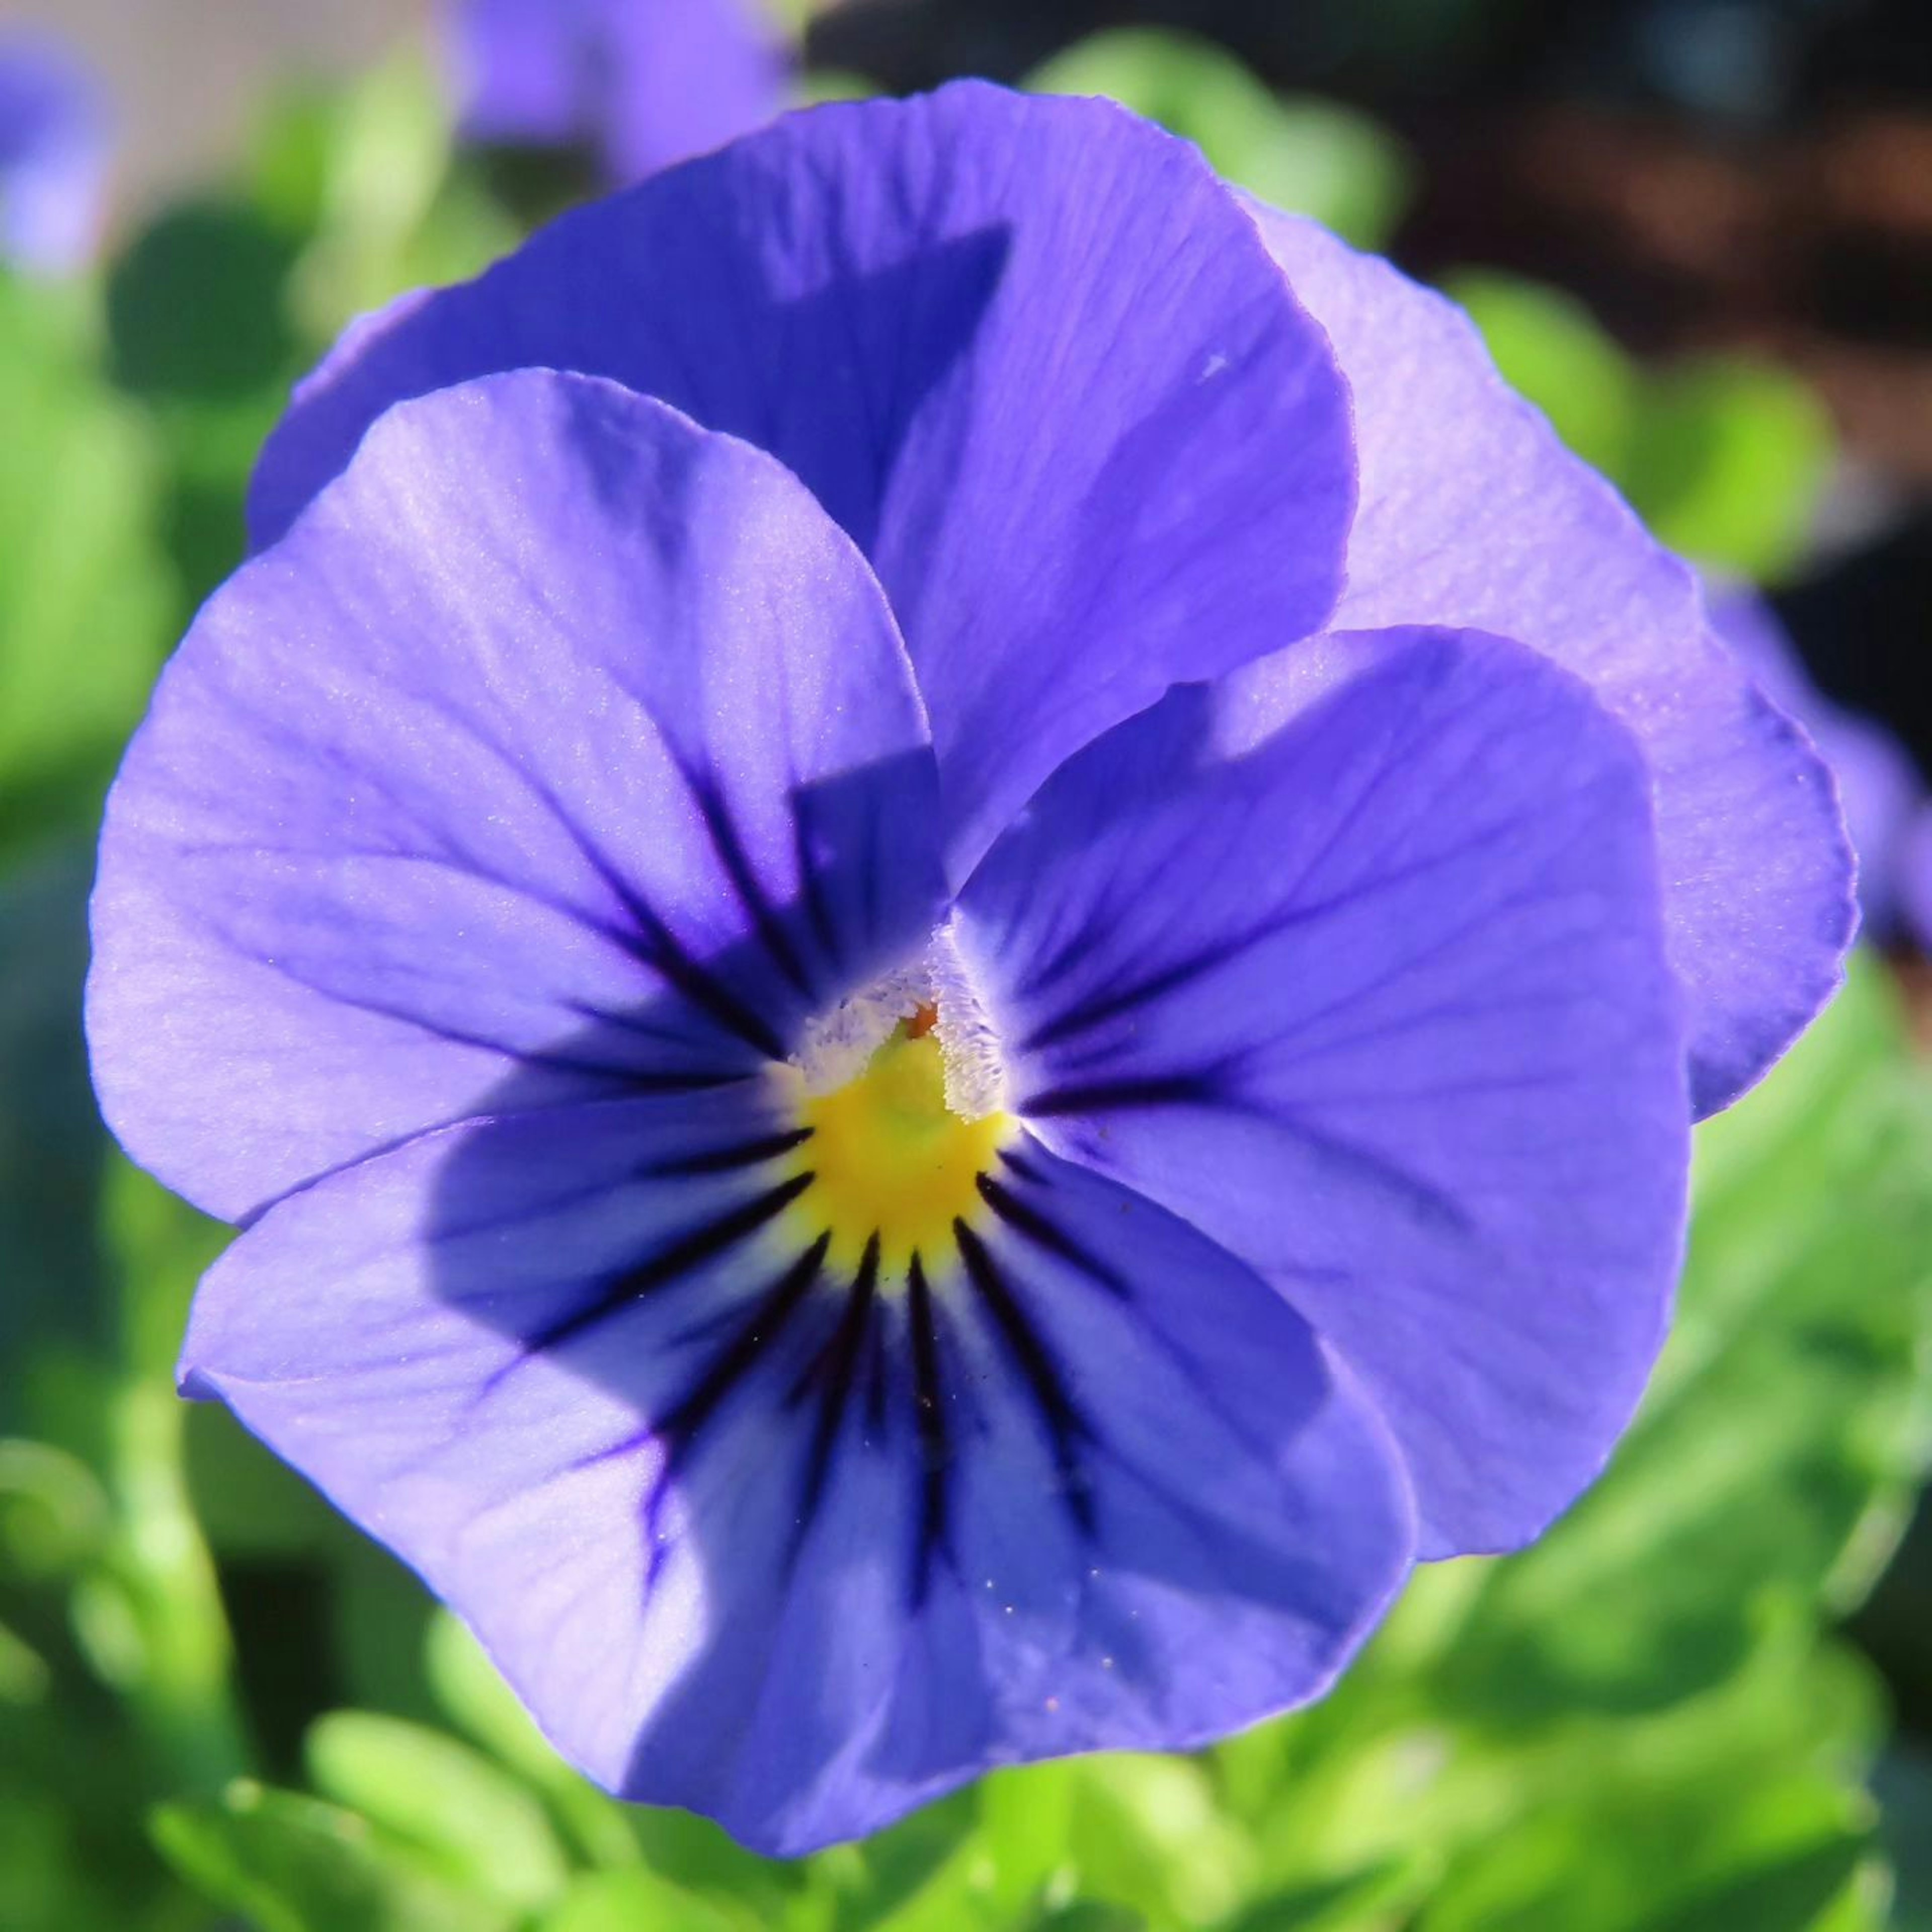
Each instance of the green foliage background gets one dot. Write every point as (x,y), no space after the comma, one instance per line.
(219,1705)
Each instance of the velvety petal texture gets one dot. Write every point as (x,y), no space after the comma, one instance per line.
(1028,352)
(649,82)
(1473,514)
(564,749)
(1381,1004)
(791,1544)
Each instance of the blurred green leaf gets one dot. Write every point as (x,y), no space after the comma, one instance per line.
(1026,1824)
(1087,1914)
(197,308)
(152,1614)
(910,1877)
(1372,1898)
(1311,156)
(379,1614)
(25,1677)
(85,597)
(163,1247)
(466,1685)
(1724,458)
(290,1864)
(688,1850)
(201,334)
(430,1791)
(1148,1834)
(53,1513)
(366,177)
(629,1901)
(1634,1823)
(1551,350)
(1730,462)
(250,1504)
(824,84)
(52,1270)
(1904,1787)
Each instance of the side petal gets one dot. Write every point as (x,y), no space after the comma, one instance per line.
(523,71)
(1380,1006)
(56,141)
(1473,514)
(1030,353)
(687,78)
(1878,787)
(563,749)
(796,1549)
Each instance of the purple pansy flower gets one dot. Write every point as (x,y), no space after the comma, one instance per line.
(1886,814)
(647,82)
(949,920)
(53,156)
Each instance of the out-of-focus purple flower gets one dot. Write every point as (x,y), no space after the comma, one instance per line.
(54,154)
(949,919)
(1882,797)
(647,82)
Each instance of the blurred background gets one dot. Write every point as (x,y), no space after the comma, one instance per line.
(1698,233)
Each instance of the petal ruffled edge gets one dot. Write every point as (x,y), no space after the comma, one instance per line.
(1472,514)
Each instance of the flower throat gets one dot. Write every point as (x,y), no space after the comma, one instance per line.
(889,1160)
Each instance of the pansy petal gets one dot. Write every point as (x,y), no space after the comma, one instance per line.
(55,143)
(653,84)
(1473,514)
(1878,787)
(563,749)
(1029,352)
(687,78)
(1380,1006)
(795,1547)
(524,69)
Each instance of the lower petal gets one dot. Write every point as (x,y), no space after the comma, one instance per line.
(799,1545)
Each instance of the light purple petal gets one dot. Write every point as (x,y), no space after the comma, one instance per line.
(1028,352)
(1382,1006)
(54,154)
(1878,787)
(686,78)
(562,748)
(1473,514)
(800,1549)
(524,69)
(652,81)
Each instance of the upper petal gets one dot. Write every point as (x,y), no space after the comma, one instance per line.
(563,748)
(1029,352)
(1380,1006)
(800,1548)
(1473,514)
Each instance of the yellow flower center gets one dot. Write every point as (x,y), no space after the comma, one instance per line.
(889,1158)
